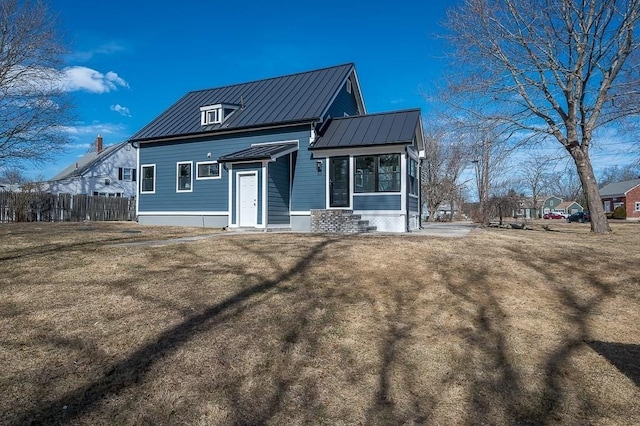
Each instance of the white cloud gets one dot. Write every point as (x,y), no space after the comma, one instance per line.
(104,49)
(121,110)
(81,132)
(78,78)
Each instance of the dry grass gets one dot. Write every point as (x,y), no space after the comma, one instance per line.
(502,327)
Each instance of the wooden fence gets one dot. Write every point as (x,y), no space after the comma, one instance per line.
(43,207)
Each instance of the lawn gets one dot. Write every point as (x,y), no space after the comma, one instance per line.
(501,327)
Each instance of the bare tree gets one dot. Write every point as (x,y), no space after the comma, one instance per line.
(446,156)
(555,69)
(490,151)
(566,185)
(13,176)
(504,203)
(618,174)
(33,106)
(534,174)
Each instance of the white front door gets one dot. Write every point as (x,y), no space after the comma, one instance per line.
(248,199)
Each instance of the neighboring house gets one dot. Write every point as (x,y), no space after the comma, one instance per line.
(10,187)
(297,152)
(525,208)
(110,171)
(568,207)
(626,193)
(550,204)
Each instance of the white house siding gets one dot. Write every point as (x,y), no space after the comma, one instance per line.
(95,178)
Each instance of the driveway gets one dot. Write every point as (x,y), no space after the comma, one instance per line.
(446,229)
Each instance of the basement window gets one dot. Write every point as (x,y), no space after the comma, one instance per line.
(216,114)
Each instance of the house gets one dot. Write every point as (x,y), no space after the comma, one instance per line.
(626,193)
(568,207)
(10,187)
(549,205)
(107,171)
(296,152)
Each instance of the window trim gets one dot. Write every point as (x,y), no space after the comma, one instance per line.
(637,206)
(349,85)
(377,174)
(178,164)
(198,163)
(142,167)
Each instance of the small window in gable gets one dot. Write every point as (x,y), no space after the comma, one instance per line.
(349,88)
(216,114)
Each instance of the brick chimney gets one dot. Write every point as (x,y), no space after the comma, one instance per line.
(99,144)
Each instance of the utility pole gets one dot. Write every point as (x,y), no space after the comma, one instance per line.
(482,179)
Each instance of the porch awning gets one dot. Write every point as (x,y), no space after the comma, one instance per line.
(260,152)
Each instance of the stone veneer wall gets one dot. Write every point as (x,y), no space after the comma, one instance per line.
(338,221)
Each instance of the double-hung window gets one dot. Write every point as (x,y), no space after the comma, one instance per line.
(413,177)
(126,174)
(184,182)
(148,181)
(637,206)
(377,173)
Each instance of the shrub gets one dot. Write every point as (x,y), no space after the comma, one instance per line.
(619,213)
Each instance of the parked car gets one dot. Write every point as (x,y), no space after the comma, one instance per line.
(579,217)
(553,215)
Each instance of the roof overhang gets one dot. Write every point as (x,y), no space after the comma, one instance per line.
(260,152)
(198,135)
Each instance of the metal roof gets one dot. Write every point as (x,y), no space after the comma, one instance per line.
(618,189)
(85,163)
(293,98)
(260,152)
(396,127)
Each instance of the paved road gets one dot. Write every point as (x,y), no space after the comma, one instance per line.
(446,229)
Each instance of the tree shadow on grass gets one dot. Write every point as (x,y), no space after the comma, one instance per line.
(134,369)
(625,357)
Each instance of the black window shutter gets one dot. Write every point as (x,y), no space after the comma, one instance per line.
(119,173)
(133,175)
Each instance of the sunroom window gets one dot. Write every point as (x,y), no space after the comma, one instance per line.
(377,173)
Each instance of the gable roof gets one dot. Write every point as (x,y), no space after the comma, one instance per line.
(85,163)
(618,189)
(302,97)
(396,127)
(565,204)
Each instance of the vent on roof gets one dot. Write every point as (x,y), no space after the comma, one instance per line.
(216,114)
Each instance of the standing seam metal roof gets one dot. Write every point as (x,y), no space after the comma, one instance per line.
(292,98)
(260,152)
(396,127)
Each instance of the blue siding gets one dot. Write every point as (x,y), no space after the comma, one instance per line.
(257,167)
(278,192)
(345,102)
(208,195)
(308,188)
(377,202)
(413,204)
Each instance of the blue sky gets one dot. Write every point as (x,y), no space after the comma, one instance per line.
(130,60)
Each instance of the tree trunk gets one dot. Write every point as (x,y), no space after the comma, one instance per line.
(599,223)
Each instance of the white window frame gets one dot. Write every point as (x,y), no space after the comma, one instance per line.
(178,164)
(206,113)
(124,174)
(219,176)
(637,206)
(142,167)
(349,84)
